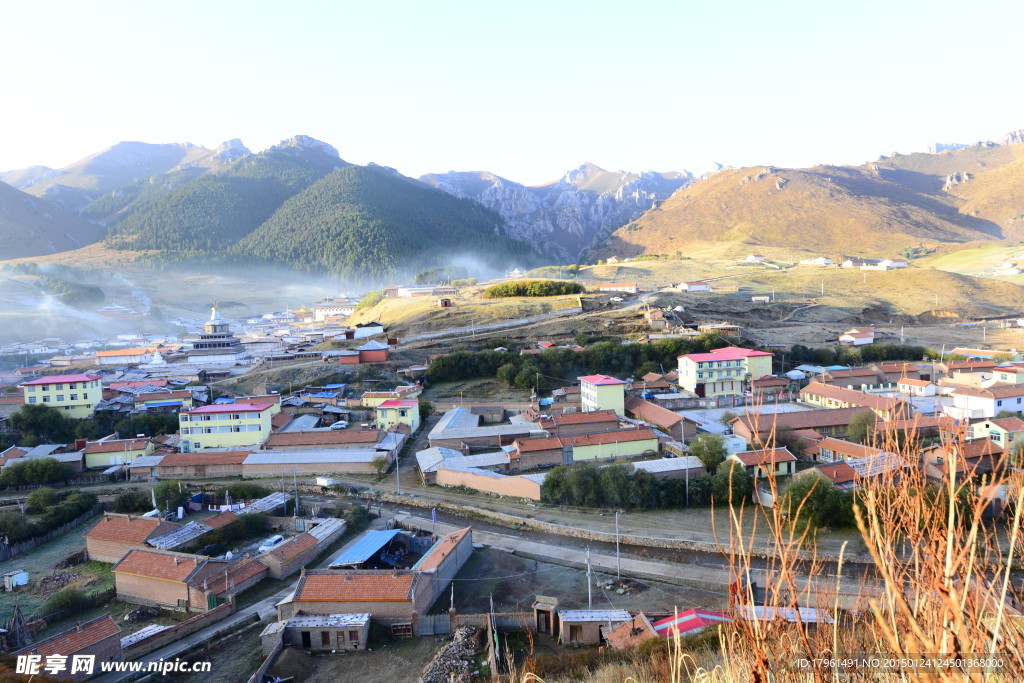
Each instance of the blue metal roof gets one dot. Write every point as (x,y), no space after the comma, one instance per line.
(323,394)
(220,401)
(159,404)
(366,547)
(335,386)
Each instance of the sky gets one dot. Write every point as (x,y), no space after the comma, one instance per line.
(524,89)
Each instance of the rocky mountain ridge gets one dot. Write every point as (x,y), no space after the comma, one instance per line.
(570,214)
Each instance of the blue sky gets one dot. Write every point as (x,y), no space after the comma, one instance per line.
(524,89)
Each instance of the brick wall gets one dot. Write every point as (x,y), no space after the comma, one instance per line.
(157,641)
(385,612)
(141,590)
(504,486)
(535,459)
(108,551)
(278,569)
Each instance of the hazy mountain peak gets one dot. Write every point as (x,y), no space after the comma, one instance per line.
(304,142)
(1014,137)
(230,150)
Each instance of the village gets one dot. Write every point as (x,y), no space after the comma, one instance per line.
(377,503)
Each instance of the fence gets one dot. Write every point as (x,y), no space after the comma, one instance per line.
(7,551)
(89,602)
(77,481)
(179,631)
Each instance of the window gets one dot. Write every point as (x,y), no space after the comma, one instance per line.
(60,397)
(186,430)
(71,386)
(46,399)
(353,637)
(405,413)
(197,444)
(60,387)
(252,428)
(31,399)
(999,403)
(31,388)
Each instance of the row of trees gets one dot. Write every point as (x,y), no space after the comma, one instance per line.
(564,365)
(872,353)
(620,486)
(38,423)
(51,509)
(533,288)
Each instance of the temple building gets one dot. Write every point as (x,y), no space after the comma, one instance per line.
(216,344)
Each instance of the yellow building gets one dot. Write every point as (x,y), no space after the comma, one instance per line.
(723,372)
(227,425)
(108,452)
(372,399)
(399,411)
(75,395)
(601,392)
(623,443)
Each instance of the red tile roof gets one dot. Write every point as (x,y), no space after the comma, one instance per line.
(532,445)
(212,458)
(159,565)
(1010,424)
(740,352)
(77,639)
(994,392)
(601,380)
(854,450)
(914,382)
(656,415)
(163,395)
(764,457)
(116,445)
(399,403)
(583,418)
(127,529)
(804,419)
(231,408)
(59,379)
(442,549)
(837,472)
(293,546)
(216,583)
(332,437)
(114,353)
(617,436)
(356,586)
(852,396)
(219,520)
(139,384)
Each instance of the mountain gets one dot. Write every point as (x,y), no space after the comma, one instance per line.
(30,226)
(956,196)
(371,222)
(224,205)
(75,186)
(568,215)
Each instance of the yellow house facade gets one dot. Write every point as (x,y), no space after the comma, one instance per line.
(75,395)
(372,399)
(109,452)
(399,411)
(228,425)
(625,443)
(601,392)
(723,372)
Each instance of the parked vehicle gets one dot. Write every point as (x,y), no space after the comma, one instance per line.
(271,542)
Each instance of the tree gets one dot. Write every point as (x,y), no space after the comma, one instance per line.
(170,494)
(43,423)
(555,489)
(380,464)
(426,409)
(731,484)
(819,502)
(710,449)
(862,427)
(42,499)
(615,484)
(133,501)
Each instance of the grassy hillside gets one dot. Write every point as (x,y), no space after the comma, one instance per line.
(362,222)
(218,209)
(967,195)
(30,226)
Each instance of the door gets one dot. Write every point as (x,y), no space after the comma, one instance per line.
(325,639)
(306,643)
(575,633)
(543,622)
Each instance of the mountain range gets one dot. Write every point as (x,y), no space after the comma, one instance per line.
(301,205)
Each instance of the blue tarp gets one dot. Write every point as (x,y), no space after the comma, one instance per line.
(161,404)
(323,394)
(335,386)
(221,401)
(547,401)
(365,548)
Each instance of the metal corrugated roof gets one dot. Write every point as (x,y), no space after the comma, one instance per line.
(669,464)
(365,548)
(285,458)
(582,615)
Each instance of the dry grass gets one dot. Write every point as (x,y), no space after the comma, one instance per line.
(939,584)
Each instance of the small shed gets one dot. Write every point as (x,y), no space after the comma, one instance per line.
(583,626)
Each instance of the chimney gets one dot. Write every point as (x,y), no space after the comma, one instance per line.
(78,626)
(177,561)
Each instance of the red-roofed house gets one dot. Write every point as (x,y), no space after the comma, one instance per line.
(570,424)
(858,336)
(698,286)
(444,560)
(688,622)
(204,464)
(1005,431)
(395,598)
(722,372)
(396,411)
(74,395)
(107,452)
(828,396)
(762,462)
(916,387)
(114,536)
(123,357)
(100,637)
(601,392)
(973,403)
(291,555)
(675,425)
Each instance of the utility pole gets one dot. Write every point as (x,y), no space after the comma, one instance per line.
(618,567)
(398,476)
(295,481)
(590,584)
